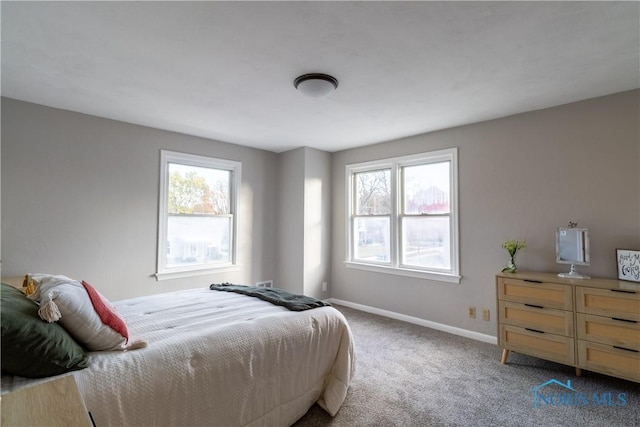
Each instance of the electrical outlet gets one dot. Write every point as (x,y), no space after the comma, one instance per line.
(472,312)
(324,286)
(485,314)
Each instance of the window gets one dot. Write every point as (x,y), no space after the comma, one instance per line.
(198,214)
(402,216)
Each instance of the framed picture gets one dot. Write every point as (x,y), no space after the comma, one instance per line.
(628,264)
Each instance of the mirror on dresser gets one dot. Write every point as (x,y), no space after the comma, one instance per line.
(572,247)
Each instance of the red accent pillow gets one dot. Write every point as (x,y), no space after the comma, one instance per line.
(106,311)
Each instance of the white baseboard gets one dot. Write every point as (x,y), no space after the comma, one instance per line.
(417,321)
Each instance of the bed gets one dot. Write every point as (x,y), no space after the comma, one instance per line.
(216,358)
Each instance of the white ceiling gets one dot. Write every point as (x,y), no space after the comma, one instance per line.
(225,70)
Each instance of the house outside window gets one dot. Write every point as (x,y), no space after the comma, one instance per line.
(402,216)
(197,230)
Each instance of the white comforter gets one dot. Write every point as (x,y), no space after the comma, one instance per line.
(218,359)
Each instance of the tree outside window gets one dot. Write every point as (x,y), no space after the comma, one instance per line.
(403,216)
(198,220)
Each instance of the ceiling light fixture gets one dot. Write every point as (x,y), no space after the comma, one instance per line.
(315,84)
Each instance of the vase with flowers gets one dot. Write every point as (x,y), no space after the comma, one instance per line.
(512,247)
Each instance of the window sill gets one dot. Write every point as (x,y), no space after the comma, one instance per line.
(438,277)
(167,275)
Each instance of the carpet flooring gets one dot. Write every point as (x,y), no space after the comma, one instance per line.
(409,375)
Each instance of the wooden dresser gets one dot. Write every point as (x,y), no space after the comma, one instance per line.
(591,324)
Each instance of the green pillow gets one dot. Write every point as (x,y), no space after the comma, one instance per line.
(32,347)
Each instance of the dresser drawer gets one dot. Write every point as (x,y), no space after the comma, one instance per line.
(547,295)
(539,344)
(608,303)
(609,360)
(607,330)
(543,319)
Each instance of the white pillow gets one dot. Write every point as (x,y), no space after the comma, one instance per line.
(81,310)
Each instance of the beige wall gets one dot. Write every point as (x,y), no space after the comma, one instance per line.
(519,177)
(290,247)
(304,221)
(80,197)
(317,222)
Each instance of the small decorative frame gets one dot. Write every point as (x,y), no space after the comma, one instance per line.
(628,261)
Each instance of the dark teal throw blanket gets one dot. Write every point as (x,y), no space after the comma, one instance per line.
(293,302)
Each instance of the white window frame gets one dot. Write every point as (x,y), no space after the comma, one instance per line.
(395,266)
(167,157)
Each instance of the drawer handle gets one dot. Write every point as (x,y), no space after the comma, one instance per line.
(623,292)
(626,349)
(534,330)
(534,306)
(532,281)
(624,320)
